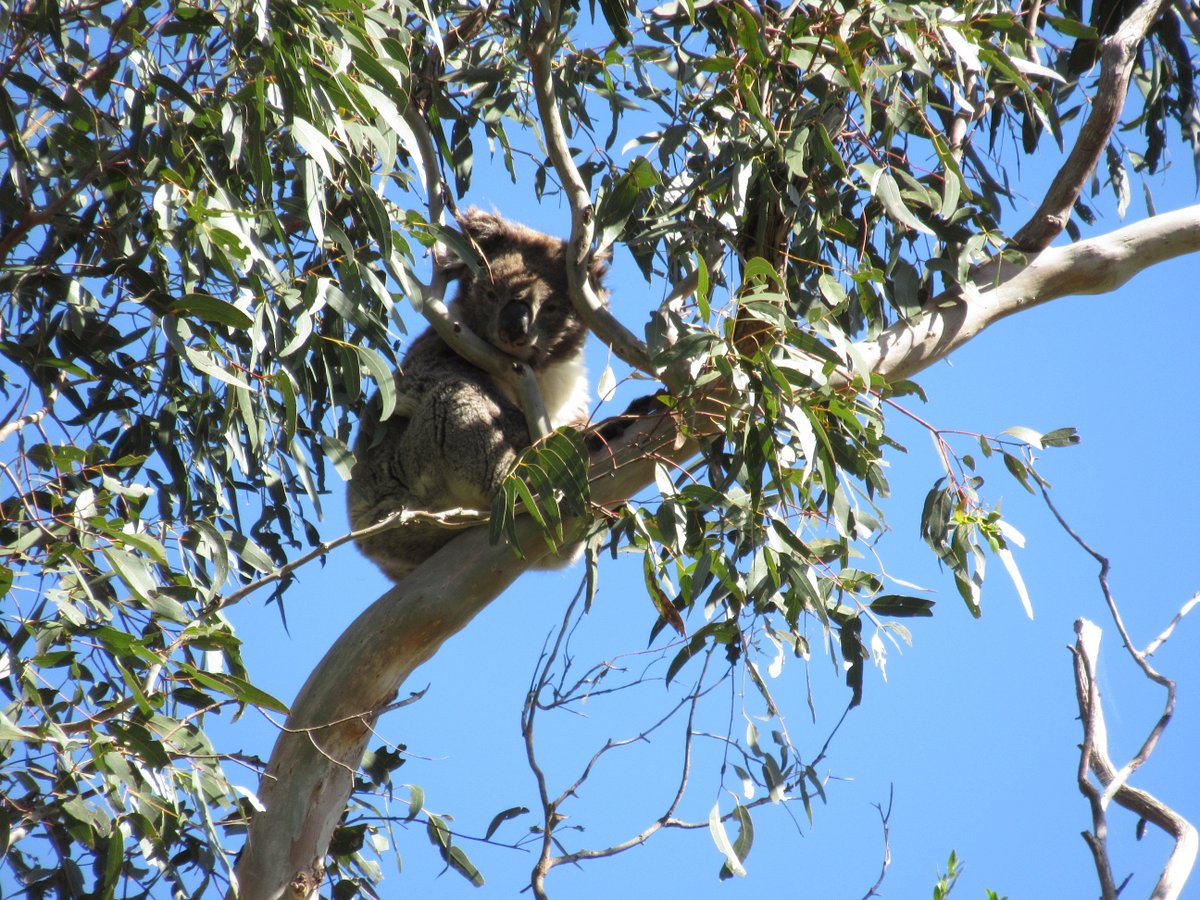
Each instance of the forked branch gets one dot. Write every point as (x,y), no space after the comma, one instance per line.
(1094,755)
(580,251)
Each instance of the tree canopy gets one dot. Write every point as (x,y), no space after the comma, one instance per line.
(216,228)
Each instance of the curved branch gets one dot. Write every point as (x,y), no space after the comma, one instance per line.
(591,308)
(310,775)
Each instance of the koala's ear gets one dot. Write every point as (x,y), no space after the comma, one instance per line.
(478,228)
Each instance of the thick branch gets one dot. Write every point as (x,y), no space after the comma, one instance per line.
(310,775)
(1095,266)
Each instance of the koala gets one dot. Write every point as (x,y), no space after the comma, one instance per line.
(456,431)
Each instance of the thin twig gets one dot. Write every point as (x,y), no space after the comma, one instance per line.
(1153,646)
(884,820)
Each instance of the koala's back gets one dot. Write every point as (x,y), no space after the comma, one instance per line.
(431,454)
(456,432)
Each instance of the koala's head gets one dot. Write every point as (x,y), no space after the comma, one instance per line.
(517,299)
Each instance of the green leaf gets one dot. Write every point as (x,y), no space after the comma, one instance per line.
(232,686)
(133,571)
(11,731)
(900,606)
(249,552)
(501,817)
(888,193)
(458,860)
(416,802)
(319,147)
(383,376)
(1061,437)
(853,654)
(210,309)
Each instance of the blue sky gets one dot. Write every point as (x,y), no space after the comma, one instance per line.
(975,728)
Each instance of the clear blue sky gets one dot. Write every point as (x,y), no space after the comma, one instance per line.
(976,725)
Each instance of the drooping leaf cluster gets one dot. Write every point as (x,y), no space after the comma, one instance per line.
(194,242)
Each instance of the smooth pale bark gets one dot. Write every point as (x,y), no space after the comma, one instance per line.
(1096,266)
(309,777)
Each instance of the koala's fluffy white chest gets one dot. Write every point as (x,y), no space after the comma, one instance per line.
(565,391)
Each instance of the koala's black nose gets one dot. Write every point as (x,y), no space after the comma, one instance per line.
(514,321)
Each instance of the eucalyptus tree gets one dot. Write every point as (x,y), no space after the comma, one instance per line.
(217,218)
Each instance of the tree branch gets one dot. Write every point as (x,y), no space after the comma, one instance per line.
(1094,755)
(1116,65)
(49,398)
(583,214)
(999,289)
(1094,750)
(310,775)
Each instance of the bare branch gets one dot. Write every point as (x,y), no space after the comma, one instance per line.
(1094,750)
(1116,65)
(1094,755)
(453,519)
(580,251)
(546,860)
(884,821)
(1088,696)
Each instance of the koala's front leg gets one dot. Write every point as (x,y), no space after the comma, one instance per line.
(461,443)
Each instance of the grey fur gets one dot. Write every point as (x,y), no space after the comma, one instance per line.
(456,431)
